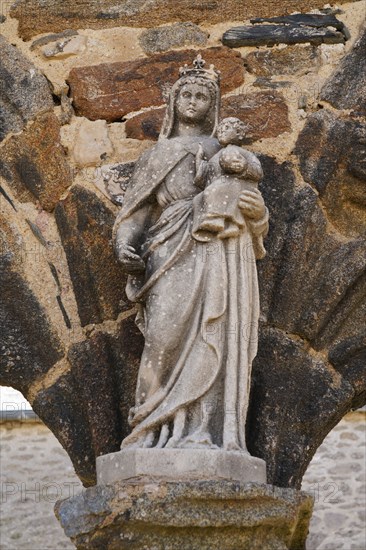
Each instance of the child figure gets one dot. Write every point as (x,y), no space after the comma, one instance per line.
(228,173)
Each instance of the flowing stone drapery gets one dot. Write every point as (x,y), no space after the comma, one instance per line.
(199,313)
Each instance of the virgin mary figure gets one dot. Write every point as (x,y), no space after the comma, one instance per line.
(197,298)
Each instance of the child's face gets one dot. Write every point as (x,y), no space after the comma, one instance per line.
(227,133)
(232,162)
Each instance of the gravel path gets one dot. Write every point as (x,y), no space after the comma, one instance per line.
(36,471)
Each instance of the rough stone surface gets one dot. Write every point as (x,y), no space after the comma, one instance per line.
(296,400)
(34,163)
(315,20)
(92,144)
(85,225)
(24,91)
(63,48)
(269,35)
(332,155)
(95,373)
(112,180)
(177,515)
(346,89)
(319,157)
(53,16)
(62,410)
(146,125)
(180,464)
(332,271)
(44,40)
(292,60)
(349,356)
(87,408)
(107,365)
(306,305)
(29,347)
(268,84)
(172,36)
(111,90)
(126,347)
(278,189)
(265,113)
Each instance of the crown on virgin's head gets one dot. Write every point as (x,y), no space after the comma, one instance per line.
(198,70)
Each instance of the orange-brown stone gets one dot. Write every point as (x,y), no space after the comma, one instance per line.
(34,163)
(111,90)
(147,125)
(265,113)
(295,59)
(37,17)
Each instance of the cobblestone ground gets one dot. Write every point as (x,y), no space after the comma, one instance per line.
(336,478)
(36,471)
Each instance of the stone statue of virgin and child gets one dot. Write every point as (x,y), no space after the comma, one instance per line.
(188,234)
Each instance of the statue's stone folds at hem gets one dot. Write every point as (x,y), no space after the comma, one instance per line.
(188,234)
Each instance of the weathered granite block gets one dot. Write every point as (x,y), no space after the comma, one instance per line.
(265,113)
(164,38)
(34,163)
(296,59)
(315,20)
(191,515)
(36,17)
(29,344)
(61,408)
(288,420)
(269,35)
(111,90)
(85,225)
(24,91)
(346,89)
(332,155)
(87,407)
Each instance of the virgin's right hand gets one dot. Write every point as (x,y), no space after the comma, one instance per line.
(131,262)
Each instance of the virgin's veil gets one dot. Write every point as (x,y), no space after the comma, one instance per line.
(212,120)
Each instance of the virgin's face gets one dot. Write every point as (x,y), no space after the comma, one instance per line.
(193,103)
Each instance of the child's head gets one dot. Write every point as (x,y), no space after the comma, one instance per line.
(232,160)
(231,130)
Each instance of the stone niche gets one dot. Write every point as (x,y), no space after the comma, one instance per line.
(70,342)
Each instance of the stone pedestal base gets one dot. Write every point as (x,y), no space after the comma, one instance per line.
(180,464)
(186,515)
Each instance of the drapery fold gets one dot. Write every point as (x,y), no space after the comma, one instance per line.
(201,315)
